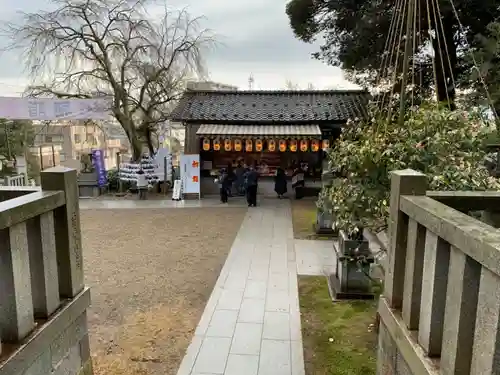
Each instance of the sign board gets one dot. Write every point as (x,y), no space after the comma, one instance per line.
(54,109)
(162,156)
(190,173)
(98,162)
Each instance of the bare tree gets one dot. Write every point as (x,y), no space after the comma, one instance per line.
(88,48)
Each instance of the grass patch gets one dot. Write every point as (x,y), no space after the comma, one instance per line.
(304,218)
(339,338)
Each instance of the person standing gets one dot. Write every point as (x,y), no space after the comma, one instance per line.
(223,181)
(252,183)
(239,179)
(280,182)
(142,184)
(298,181)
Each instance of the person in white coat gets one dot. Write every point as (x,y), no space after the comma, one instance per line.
(142,184)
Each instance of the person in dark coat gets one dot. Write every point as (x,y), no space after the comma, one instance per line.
(239,173)
(298,182)
(231,177)
(280,183)
(251,185)
(224,185)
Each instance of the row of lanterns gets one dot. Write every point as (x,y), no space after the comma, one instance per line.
(283,145)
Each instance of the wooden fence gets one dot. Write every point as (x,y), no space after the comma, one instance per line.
(441,301)
(41,269)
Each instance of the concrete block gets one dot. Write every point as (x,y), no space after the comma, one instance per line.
(71,364)
(69,338)
(67,225)
(434,283)
(414,266)
(405,182)
(40,366)
(43,264)
(16,308)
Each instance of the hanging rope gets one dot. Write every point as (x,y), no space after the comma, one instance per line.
(430,36)
(485,87)
(399,12)
(385,54)
(439,16)
(440,51)
(396,65)
(414,52)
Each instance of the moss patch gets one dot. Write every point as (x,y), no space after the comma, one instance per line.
(339,338)
(304,218)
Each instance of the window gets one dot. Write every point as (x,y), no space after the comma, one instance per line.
(77,138)
(62,157)
(91,140)
(53,138)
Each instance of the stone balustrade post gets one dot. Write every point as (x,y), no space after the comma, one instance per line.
(67,229)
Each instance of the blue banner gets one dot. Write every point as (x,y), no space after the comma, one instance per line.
(98,162)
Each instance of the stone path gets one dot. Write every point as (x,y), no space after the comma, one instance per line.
(251,323)
(114,204)
(315,257)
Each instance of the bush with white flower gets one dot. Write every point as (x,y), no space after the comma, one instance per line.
(445,145)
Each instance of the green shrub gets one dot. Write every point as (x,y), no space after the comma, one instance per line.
(445,145)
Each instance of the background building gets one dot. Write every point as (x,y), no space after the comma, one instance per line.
(68,140)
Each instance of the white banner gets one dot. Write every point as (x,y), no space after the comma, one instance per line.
(55,109)
(190,173)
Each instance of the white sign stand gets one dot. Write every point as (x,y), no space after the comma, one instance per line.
(190,174)
(177,191)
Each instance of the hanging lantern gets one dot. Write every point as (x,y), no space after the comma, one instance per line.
(206,144)
(258,145)
(271,145)
(282,145)
(227,144)
(325,144)
(248,145)
(314,145)
(216,145)
(303,145)
(293,145)
(237,145)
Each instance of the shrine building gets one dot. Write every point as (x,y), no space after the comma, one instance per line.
(269,129)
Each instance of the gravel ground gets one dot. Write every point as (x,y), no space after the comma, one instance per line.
(151,273)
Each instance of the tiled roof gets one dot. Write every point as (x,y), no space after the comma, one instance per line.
(270,106)
(263,130)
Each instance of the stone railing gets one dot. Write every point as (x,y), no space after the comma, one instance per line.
(43,300)
(440,310)
(18,180)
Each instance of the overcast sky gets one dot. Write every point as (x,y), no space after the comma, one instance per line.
(254,38)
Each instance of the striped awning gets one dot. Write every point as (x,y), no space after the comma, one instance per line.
(260,130)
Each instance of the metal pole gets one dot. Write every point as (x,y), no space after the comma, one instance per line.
(406,61)
(53,156)
(118,161)
(165,168)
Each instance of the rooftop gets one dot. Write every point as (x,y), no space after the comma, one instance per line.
(271,107)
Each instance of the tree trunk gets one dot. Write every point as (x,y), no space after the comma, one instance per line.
(148,134)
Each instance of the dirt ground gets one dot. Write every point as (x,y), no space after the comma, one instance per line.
(151,273)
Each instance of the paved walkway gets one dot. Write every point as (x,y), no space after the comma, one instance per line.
(115,204)
(251,323)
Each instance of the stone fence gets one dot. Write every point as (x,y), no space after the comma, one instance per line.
(440,310)
(43,300)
